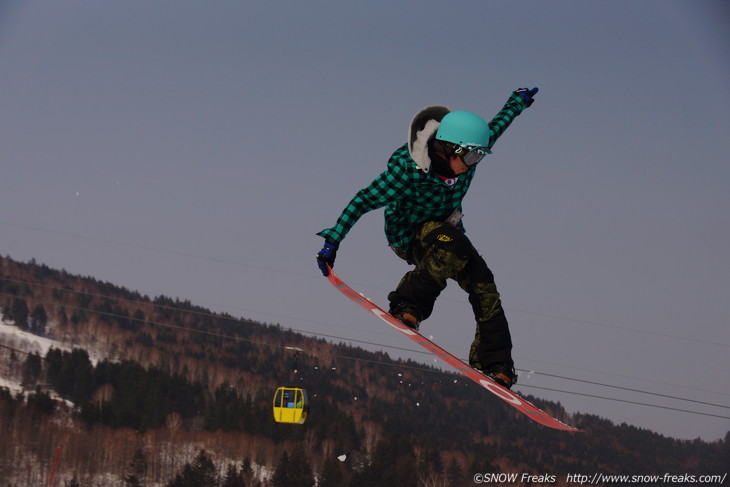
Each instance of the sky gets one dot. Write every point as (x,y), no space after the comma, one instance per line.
(194,149)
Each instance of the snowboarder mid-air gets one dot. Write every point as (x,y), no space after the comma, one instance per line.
(422,189)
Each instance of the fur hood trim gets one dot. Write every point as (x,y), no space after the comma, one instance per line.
(422,128)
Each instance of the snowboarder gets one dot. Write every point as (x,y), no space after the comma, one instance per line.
(422,190)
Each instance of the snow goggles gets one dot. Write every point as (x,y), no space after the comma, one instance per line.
(470,155)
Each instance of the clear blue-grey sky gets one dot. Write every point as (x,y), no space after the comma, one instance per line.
(193,149)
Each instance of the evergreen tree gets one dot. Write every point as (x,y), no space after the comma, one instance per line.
(137,476)
(332,475)
(301,468)
(233,477)
(225,410)
(41,402)
(76,376)
(294,470)
(32,368)
(5,308)
(19,313)
(200,473)
(38,320)
(282,477)
(247,472)
(392,463)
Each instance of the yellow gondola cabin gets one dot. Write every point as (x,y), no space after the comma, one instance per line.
(291,405)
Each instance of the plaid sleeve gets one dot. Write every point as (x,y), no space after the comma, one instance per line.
(514,106)
(390,186)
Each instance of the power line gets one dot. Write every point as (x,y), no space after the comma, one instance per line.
(668,408)
(379,362)
(323,335)
(197,313)
(631,390)
(309,276)
(214,315)
(423,369)
(153,249)
(622,376)
(625,328)
(333,337)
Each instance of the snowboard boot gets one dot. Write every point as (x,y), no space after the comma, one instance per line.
(405,315)
(502,375)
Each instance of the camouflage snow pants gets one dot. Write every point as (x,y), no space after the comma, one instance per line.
(442,252)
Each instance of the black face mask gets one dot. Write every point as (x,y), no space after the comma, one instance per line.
(439,164)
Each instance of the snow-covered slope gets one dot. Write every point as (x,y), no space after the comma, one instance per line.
(13,337)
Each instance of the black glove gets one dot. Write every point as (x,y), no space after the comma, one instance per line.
(527,94)
(327,256)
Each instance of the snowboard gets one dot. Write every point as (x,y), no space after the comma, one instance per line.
(519,403)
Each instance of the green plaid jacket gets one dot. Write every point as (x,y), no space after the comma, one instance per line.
(410,195)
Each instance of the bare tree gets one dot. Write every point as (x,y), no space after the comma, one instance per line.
(102,395)
(173,422)
(432,479)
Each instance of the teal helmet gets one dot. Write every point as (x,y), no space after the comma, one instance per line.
(464,128)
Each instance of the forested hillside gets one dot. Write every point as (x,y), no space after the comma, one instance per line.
(107,387)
